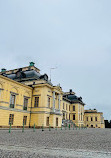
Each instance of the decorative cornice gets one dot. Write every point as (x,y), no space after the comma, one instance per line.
(41,107)
(26,97)
(6,78)
(13,109)
(14,93)
(36,95)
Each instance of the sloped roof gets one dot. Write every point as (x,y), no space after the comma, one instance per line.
(28,75)
(73,98)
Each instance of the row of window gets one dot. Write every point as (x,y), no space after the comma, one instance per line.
(67,107)
(11,119)
(12,102)
(87,118)
(36,102)
(47,121)
(67,117)
(74,108)
(80,117)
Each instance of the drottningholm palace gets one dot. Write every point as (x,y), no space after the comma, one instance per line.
(30,99)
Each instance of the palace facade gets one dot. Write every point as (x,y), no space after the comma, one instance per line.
(27,97)
(94,119)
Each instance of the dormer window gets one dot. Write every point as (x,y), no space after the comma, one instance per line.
(44,77)
(18,74)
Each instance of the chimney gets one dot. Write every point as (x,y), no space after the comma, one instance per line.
(70,90)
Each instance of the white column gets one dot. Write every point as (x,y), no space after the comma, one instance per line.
(53,99)
(59,101)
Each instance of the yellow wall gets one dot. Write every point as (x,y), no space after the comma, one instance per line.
(95,124)
(7,87)
(39,114)
(18,118)
(65,109)
(79,110)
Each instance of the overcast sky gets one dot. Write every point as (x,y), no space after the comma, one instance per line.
(72,35)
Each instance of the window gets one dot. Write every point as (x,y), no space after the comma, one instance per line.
(69,116)
(81,116)
(25,104)
(66,106)
(73,117)
(11,119)
(69,107)
(49,102)
(56,121)
(66,116)
(63,105)
(87,118)
(63,116)
(47,121)
(36,102)
(91,119)
(12,101)
(59,103)
(24,120)
(73,108)
(95,118)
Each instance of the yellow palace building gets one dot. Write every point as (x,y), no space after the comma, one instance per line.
(94,119)
(27,97)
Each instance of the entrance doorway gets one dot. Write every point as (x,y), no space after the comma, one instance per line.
(47,121)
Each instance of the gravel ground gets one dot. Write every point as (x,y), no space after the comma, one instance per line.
(83,143)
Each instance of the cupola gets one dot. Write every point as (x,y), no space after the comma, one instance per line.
(31,63)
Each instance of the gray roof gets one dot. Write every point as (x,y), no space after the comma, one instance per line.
(28,75)
(74,99)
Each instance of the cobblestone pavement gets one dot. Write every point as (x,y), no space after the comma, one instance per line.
(83,143)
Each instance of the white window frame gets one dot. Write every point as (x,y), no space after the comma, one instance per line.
(24,103)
